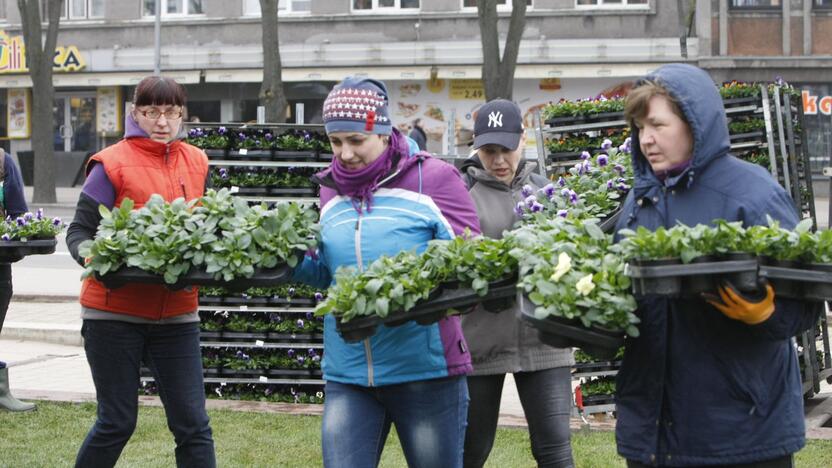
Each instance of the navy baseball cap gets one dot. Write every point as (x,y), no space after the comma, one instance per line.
(498,122)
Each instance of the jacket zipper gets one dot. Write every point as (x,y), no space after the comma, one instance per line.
(368,351)
(182,184)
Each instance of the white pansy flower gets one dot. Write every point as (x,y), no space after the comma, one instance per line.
(585,285)
(563,266)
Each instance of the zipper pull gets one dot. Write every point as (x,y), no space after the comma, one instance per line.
(182,184)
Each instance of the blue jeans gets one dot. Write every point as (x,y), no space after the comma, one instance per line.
(115,351)
(430,418)
(546,396)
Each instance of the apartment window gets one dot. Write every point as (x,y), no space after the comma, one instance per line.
(501,4)
(385,5)
(820,4)
(82,9)
(754,4)
(252,7)
(610,3)
(173,7)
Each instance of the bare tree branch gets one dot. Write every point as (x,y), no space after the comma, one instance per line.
(272,95)
(497,72)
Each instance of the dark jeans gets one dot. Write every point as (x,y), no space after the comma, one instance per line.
(5,295)
(546,397)
(782,462)
(115,351)
(429,416)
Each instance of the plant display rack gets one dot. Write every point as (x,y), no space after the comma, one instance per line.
(292,383)
(585,372)
(766,129)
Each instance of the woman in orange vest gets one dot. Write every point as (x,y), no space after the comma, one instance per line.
(142,323)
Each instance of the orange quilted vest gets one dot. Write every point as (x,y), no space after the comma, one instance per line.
(138,168)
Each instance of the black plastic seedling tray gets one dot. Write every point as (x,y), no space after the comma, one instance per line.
(13,251)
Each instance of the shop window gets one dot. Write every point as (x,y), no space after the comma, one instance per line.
(755,4)
(173,7)
(384,5)
(611,3)
(252,7)
(502,5)
(204,111)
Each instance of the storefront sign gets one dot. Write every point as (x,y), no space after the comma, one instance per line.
(108,110)
(13,56)
(812,105)
(466,89)
(18,112)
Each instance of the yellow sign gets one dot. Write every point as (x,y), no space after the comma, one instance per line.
(466,89)
(13,56)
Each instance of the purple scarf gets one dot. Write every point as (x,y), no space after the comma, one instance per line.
(359,185)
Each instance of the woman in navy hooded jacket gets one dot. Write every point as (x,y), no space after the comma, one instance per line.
(378,197)
(711,380)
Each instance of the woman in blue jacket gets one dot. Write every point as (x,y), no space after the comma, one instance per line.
(379,197)
(705,383)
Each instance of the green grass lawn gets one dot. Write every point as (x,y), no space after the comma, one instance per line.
(50,437)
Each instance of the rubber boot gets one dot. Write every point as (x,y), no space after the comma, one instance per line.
(7,401)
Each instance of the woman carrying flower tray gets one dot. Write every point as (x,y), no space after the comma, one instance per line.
(380,197)
(498,178)
(13,204)
(147,323)
(711,380)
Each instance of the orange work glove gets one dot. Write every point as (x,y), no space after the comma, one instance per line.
(737,306)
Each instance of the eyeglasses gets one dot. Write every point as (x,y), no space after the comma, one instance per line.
(154,114)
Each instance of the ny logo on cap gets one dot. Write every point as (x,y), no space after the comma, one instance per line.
(495,119)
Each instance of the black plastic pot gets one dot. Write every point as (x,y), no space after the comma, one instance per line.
(597,366)
(597,400)
(13,251)
(293,373)
(818,290)
(751,136)
(585,118)
(505,302)
(648,279)
(745,281)
(210,335)
(216,153)
(299,337)
(293,191)
(211,300)
(288,155)
(564,333)
(741,102)
(608,224)
(421,316)
(253,191)
(698,284)
(293,302)
(564,156)
(785,277)
(357,329)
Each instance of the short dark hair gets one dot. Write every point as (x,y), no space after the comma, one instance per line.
(158,90)
(638,101)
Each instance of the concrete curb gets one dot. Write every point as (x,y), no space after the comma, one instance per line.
(47,298)
(62,334)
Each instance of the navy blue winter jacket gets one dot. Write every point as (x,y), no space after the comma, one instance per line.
(698,388)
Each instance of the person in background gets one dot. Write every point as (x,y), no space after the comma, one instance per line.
(501,343)
(711,380)
(417,134)
(381,196)
(12,204)
(143,323)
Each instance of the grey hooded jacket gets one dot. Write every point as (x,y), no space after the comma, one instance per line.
(503,343)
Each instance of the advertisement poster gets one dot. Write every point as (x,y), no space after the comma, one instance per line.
(18,112)
(108,110)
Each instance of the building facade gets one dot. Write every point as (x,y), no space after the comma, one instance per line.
(427,51)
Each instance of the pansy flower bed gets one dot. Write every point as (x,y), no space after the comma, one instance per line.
(265,181)
(250,361)
(565,111)
(28,234)
(219,235)
(250,326)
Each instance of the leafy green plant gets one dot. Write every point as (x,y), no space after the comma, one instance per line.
(30,227)
(472,261)
(604,385)
(778,243)
(581,107)
(218,233)
(570,269)
(746,125)
(209,138)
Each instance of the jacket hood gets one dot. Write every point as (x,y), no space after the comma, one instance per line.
(702,106)
(133,130)
(473,168)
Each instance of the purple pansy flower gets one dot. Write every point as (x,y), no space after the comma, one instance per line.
(39,216)
(565,193)
(526,190)
(549,191)
(619,168)
(585,155)
(561,182)
(291,352)
(299,323)
(291,291)
(536,207)
(21,221)
(518,210)
(563,213)
(319,297)
(603,159)
(606,144)
(530,200)
(573,197)
(222,130)
(609,184)
(6,237)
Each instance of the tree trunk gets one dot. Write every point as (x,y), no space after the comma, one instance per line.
(271,90)
(497,72)
(39,56)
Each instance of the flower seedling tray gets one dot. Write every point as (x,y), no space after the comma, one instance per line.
(799,283)
(289,155)
(593,400)
(253,191)
(263,277)
(251,154)
(292,337)
(211,300)
(216,153)
(293,191)
(665,277)
(584,118)
(565,333)
(325,156)
(501,295)
(13,251)
(597,366)
(608,224)
(293,302)
(751,136)
(564,156)
(251,300)
(741,102)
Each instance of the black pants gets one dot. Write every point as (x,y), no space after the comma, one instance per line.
(546,397)
(782,462)
(5,295)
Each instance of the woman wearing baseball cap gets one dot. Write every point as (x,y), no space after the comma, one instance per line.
(500,343)
(378,197)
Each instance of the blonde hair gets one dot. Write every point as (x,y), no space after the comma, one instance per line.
(638,102)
